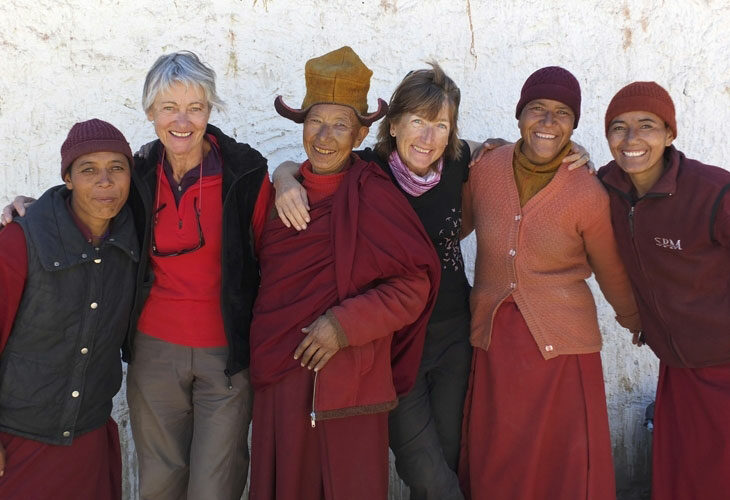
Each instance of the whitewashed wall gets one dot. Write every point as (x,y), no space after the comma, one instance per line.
(63,61)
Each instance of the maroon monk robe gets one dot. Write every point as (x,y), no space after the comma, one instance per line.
(363,258)
(90,468)
(691,444)
(364,246)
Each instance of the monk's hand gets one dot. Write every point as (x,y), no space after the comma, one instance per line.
(319,345)
(17,207)
(638,338)
(488,145)
(291,200)
(2,460)
(579,157)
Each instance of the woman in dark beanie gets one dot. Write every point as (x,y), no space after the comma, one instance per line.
(535,418)
(671,218)
(59,351)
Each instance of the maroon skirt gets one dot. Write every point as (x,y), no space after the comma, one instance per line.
(534,428)
(691,448)
(89,469)
(291,460)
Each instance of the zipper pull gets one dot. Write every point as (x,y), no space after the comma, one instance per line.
(312,415)
(179,223)
(229,384)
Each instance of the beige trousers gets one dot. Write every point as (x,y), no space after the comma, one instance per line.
(190,429)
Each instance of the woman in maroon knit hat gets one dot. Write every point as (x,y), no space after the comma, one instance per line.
(59,351)
(535,418)
(671,218)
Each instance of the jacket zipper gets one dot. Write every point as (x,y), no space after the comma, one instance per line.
(313,415)
(229,383)
(631,220)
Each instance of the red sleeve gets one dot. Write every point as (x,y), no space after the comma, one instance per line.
(13,271)
(398,302)
(261,210)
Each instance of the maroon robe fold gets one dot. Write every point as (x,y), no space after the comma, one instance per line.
(362,240)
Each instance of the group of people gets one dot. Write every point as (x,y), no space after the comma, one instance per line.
(332,309)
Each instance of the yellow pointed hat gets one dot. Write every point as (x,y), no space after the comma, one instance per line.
(338,77)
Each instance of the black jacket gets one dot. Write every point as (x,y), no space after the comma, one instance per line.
(61,367)
(244,170)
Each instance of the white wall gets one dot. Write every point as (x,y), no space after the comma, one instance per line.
(64,61)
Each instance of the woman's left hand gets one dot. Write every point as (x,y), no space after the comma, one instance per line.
(578,157)
(319,345)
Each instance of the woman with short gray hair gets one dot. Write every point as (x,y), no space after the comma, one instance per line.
(188,388)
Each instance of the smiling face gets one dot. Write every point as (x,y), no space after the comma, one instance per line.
(99,184)
(637,140)
(331,132)
(421,142)
(180,115)
(546,126)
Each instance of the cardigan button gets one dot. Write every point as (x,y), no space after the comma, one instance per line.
(83,255)
(513,285)
(94,305)
(75,394)
(66,434)
(97,261)
(512,252)
(548,348)
(56,264)
(518,217)
(84,350)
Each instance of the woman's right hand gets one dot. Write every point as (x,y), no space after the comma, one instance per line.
(17,207)
(291,198)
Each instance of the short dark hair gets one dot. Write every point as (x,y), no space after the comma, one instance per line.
(423,92)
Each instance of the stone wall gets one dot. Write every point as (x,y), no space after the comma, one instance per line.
(68,60)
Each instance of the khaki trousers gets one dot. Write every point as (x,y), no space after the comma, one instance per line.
(189,428)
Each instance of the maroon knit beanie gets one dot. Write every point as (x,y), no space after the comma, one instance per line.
(643,96)
(92,136)
(551,82)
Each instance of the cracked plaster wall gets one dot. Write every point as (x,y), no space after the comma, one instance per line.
(70,60)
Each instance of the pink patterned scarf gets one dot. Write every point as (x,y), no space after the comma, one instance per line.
(413,184)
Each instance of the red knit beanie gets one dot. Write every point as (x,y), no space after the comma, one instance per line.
(92,136)
(643,96)
(551,82)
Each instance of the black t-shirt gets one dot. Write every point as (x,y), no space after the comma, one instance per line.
(439,210)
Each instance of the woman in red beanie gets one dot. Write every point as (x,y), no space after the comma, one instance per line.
(671,218)
(59,351)
(535,418)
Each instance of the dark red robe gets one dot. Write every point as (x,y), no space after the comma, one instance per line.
(365,258)
(534,428)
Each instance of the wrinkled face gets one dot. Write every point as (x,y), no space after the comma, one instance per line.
(637,140)
(100,185)
(180,115)
(331,132)
(420,141)
(546,126)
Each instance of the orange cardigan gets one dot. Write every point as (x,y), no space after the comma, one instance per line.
(542,254)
